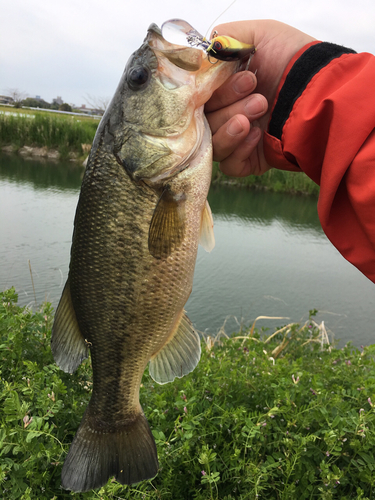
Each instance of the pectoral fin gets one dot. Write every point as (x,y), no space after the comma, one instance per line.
(68,345)
(207,237)
(179,356)
(167,226)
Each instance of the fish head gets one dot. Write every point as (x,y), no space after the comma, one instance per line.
(154,124)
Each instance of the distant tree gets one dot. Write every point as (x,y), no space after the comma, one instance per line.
(65,107)
(35,103)
(17,95)
(98,104)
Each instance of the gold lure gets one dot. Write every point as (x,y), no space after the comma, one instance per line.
(222,47)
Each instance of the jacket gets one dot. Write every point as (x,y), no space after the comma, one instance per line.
(323,123)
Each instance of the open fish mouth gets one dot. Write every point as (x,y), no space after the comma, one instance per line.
(189,59)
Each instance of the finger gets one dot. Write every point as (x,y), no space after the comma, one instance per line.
(243,161)
(253,107)
(229,137)
(235,88)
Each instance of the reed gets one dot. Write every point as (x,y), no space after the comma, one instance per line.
(63,132)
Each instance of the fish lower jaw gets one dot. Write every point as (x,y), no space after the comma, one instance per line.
(190,159)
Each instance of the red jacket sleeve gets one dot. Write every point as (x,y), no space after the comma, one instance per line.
(323,123)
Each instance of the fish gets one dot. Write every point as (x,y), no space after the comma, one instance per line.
(141,213)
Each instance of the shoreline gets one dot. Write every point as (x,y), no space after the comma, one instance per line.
(51,154)
(46,135)
(63,137)
(274,180)
(277,181)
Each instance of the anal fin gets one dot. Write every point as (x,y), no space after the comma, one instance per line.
(68,345)
(206,236)
(179,356)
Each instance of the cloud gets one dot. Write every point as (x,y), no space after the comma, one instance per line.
(74,47)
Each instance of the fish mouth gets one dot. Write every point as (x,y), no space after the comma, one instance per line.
(186,58)
(185,79)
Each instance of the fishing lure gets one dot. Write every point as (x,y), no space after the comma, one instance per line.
(221,47)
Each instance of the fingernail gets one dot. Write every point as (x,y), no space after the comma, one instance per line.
(244,83)
(235,127)
(253,135)
(254,106)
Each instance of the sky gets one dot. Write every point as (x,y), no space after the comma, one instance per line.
(78,49)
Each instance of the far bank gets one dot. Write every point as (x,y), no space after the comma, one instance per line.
(33,133)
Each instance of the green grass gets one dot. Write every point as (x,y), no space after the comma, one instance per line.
(261,417)
(13,110)
(279,181)
(66,133)
(33,112)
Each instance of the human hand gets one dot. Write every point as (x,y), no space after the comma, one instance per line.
(237,117)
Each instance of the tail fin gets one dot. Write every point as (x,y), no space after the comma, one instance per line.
(128,453)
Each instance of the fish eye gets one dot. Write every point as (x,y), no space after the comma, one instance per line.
(217,46)
(138,77)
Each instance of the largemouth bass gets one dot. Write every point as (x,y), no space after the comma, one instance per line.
(141,212)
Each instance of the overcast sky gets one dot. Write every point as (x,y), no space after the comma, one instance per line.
(75,48)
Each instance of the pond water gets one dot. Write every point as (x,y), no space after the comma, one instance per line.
(271,256)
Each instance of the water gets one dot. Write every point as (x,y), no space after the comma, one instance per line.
(271,256)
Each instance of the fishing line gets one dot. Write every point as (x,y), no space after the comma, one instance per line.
(219,16)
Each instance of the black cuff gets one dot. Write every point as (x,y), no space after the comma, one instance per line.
(311,62)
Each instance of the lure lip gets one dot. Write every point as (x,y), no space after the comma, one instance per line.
(185,57)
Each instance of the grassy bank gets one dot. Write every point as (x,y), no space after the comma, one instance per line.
(279,181)
(67,134)
(278,417)
(41,129)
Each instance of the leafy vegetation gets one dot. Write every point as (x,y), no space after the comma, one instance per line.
(281,416)
(38,103)
(279,181)
(65,107)
(42,129)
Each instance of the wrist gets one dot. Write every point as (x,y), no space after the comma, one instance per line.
(299,72)
(301,69)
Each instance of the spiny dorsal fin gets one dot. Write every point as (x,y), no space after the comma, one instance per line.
(179,356)
(68,345)
(206,236)
(167,226)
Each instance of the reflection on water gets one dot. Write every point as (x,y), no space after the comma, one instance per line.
(271,256)
(264,208)
(37,203)
(39,174)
